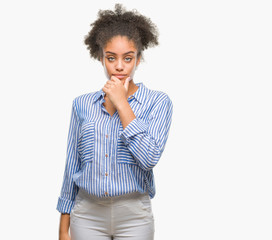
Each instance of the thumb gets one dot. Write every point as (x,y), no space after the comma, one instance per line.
(127,83)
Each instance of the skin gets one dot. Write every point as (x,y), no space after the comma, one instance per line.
(64,226)
(120,56)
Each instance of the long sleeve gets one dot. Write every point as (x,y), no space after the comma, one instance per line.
(72,165)
(146,140)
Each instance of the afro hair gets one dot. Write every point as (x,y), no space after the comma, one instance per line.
(131,24)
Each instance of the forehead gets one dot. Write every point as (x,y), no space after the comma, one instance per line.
(120,45)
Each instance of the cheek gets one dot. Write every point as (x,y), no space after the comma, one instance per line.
(131,67)
(109,67)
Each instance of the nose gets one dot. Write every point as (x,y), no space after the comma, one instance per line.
(119,65)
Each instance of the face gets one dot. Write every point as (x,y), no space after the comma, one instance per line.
(120,58)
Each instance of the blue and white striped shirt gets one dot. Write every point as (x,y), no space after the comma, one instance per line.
(106,160)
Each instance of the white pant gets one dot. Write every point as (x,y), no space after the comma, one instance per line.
(126,217)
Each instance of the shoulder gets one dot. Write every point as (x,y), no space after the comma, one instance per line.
(83,99)
(158,97)
(83,104)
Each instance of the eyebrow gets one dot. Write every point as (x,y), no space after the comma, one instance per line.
(123,54)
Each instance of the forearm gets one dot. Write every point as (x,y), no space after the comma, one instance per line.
(145,150)
(125,113)
(64,223)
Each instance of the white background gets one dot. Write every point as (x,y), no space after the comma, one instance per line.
(214,61)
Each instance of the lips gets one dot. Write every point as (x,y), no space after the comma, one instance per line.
(120,76)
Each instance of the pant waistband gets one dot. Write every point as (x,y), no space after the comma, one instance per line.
(132,195)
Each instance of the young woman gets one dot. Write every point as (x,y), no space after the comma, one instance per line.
(116,137)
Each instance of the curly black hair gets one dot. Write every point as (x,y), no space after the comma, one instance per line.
(131,24)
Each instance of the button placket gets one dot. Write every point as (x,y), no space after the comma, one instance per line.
(107,167)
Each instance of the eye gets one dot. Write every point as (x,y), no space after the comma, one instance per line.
(111,59)
(128,59)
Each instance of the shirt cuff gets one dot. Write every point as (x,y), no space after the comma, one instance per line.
(64,205)
(135,127)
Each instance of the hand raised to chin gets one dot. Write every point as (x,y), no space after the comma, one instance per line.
(116,91)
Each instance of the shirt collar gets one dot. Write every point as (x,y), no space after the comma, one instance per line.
(139,95)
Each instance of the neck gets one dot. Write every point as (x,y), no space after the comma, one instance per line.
(132,88)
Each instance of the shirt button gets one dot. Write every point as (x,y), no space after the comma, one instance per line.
(106,193)
(106,155)
(107,135)
(106,174)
